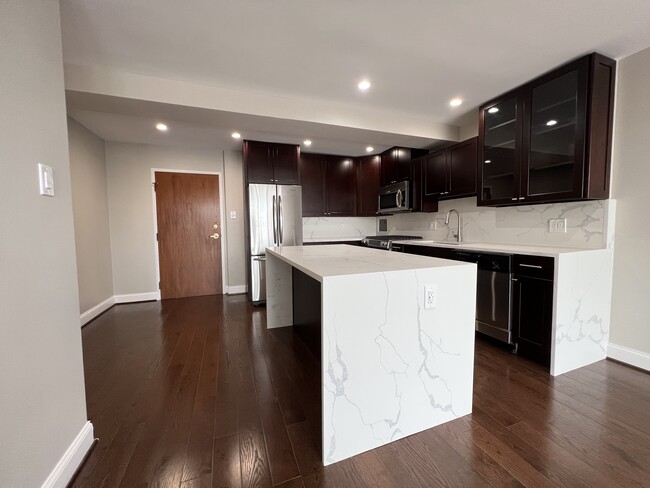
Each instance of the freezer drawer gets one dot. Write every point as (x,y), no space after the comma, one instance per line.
(258,279)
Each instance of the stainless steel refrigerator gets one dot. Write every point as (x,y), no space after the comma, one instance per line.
(275,219)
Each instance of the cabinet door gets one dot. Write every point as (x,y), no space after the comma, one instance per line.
(532,318)
(312,177)
(389,170)
(368,175)
(339,187)
(258,162)
(285,164)
(435,173)
(554,135)
(500,150)
(461,168)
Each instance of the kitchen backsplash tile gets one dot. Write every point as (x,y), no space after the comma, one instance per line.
(589,224)
(338,227)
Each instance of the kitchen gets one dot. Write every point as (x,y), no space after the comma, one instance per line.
(414,285)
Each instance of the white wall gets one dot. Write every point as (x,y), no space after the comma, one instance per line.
(630,181)
(233,164)
(42,397)
(90,209)
(131,209)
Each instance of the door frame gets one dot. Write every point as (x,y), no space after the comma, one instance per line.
(222,195)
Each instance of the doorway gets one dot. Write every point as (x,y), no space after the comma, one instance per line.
(189,234)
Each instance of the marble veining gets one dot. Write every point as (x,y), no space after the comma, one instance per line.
(583,287)
(590,223)
(315,228)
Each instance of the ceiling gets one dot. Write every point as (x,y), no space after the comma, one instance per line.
(418,54)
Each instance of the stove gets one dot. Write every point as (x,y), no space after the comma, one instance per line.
(385,242)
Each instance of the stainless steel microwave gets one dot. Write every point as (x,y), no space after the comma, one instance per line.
(394,198)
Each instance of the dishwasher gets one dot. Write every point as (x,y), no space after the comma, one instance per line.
(493,293)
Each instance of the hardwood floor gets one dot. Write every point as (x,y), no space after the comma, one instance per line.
(197,392)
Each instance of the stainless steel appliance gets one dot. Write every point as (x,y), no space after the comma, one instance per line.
(493,293)
(385,242)
(274,219)
(394,198)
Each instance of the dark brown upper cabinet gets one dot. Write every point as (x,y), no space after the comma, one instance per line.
(312,177)
(396,164)
(271,163)
(451,172)
(328,185)
(549,140)
(368,180)
(420,202)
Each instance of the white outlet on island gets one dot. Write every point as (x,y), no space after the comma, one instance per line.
(430,296)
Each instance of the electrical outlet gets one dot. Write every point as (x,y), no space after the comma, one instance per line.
(433,225)
(557,225)
(431,296)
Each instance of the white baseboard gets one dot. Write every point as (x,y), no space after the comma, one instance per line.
(71,459)
(98,309)
(632,357)
(234,290)
(137,297)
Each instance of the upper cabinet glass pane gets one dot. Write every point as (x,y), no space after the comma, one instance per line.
(552,156)
(499,163)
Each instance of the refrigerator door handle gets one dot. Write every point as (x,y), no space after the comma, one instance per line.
(280,220)
(275,226)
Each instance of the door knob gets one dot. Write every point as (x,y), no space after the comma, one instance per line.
(215,226)
(214,236)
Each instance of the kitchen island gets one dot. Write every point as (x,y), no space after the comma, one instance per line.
(391,365)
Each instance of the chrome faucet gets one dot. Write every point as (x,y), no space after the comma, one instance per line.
(457,236)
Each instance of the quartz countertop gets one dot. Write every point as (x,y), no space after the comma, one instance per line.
(500,248)
(339,259)
(332,239)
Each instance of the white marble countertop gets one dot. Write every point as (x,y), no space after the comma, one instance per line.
(340,259)
(503,248)
(331,239)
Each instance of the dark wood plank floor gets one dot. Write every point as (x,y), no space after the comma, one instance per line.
(198,393)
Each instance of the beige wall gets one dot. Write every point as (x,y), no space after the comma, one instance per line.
(235,227)
(131,208)
(90,209)
(42,398)
(630,180)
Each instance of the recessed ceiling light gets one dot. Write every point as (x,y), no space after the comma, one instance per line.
(455,102)
(370,149)
(488,161)
(493,110)
(307,142)
(236,135)
(551,122)
(161,127)
(364,85)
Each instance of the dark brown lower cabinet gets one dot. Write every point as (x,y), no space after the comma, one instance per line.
(532,307)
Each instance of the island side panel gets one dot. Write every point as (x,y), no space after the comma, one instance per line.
(279,296)
(582,311)
(390,367)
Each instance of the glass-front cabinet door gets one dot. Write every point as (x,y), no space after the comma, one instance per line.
(554,136)
(500,150)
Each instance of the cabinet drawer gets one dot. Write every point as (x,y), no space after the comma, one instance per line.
(533,266)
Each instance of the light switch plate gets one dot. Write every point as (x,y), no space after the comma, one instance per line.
(557,225)
(233,214)
(46,180)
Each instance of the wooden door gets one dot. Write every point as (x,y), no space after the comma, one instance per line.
(258,162)
(340,195)
(462,160)
(368,185)
(285,164)
(312,177)
(189,234)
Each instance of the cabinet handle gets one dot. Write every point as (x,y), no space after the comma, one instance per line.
(514,279)
(521,198)
(514,199)
(530,266)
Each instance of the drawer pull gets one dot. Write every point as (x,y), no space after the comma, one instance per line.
(530,266)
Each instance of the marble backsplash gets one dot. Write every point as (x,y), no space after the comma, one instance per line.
(314,228)
(589,224)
